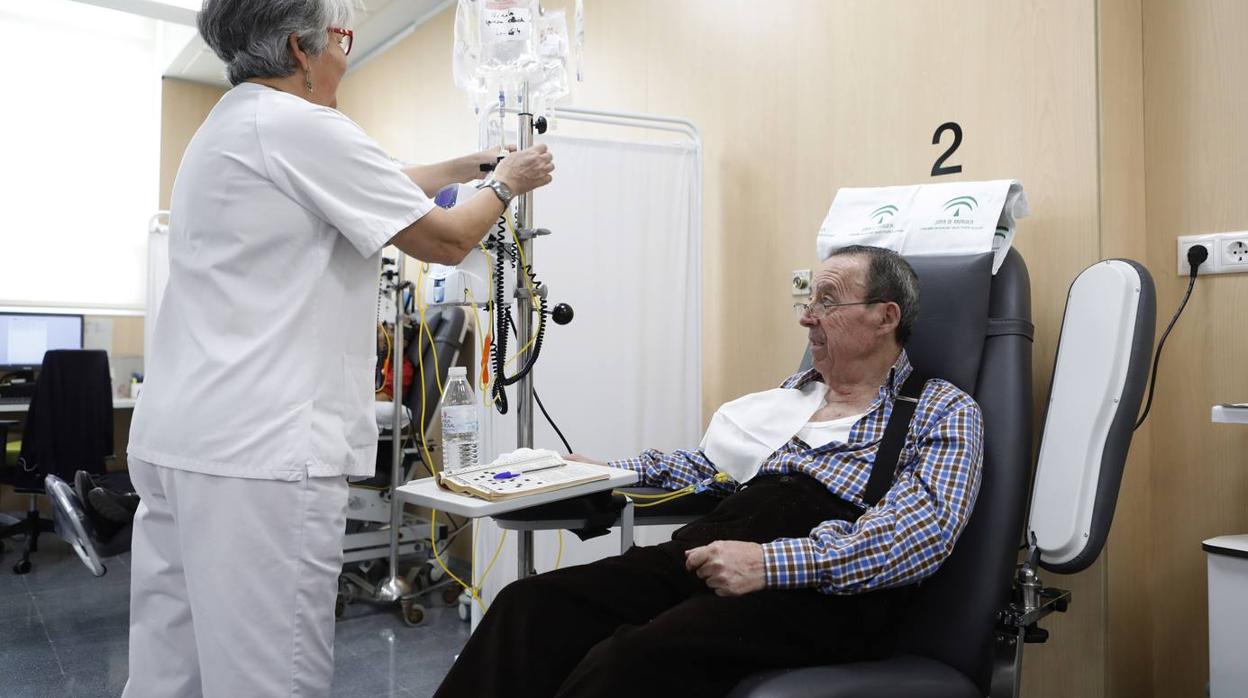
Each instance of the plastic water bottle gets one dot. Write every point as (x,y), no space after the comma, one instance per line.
(461,435)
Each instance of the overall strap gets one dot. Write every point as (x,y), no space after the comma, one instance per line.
(884,469)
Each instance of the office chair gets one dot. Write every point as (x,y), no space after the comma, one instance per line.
(69,427)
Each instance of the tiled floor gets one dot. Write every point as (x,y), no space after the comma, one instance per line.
(63,633)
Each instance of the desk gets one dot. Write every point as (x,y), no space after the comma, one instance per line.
(1230,414)
(426,493)
(1227,563)
(119,403)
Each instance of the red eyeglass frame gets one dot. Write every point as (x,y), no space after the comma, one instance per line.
(347,33)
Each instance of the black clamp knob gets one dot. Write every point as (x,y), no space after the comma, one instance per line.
(539,124)
(562,314)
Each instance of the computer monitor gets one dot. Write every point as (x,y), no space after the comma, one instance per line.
(25,337)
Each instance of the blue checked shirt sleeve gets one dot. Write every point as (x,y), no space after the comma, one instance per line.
(670,471)
(909,533)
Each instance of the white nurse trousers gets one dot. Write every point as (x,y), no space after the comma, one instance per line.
(232,584)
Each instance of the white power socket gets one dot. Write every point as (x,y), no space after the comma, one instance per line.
(1228,252)
(1210,242)
(1233,253)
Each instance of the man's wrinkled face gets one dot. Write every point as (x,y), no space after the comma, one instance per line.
(841,332)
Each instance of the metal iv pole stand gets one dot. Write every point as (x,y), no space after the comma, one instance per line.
(524,322)
(394,587)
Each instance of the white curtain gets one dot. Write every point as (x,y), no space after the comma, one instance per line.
(625,375)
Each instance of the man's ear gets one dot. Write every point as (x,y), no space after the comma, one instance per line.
(301,57)
(890,319)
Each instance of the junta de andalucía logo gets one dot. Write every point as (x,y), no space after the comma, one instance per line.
(960,204)
(883,213)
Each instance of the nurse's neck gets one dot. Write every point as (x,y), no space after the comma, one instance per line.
(291,85)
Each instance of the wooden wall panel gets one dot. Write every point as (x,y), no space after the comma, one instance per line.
(1195,66)
(183,107)
(1127,555)
(795,99)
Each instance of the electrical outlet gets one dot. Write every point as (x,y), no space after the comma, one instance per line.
(1228,252)
(1186,242)
(1233,252)
(799,285)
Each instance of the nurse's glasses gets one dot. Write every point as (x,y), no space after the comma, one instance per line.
(346,37)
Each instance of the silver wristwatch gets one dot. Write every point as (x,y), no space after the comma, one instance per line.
(502,191)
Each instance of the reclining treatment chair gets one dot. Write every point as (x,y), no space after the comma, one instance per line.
(974,329)
(966,632)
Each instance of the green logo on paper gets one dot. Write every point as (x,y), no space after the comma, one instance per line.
(960,204)
(883,213)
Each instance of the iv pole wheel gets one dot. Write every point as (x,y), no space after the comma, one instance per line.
(450,595)
(412,612)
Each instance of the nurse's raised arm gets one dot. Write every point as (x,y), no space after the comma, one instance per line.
(446,236)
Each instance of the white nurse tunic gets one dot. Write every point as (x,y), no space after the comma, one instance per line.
(258,397)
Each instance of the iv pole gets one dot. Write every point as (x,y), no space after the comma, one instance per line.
(524,320)
(395,587)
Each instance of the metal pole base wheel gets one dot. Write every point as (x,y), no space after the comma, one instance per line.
(413,613)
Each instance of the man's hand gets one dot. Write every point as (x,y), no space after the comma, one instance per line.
(729,567)
(526,170)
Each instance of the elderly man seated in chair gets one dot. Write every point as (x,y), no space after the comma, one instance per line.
(827,523)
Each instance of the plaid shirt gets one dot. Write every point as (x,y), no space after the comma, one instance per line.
(902,539)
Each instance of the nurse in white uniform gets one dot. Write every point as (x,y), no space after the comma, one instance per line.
(258,399)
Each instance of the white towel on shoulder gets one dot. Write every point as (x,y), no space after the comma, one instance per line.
(744,432)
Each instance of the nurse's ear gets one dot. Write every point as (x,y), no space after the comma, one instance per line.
(301,57)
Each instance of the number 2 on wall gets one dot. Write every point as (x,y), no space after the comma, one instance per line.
(940,168)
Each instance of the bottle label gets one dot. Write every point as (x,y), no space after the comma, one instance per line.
(460,419)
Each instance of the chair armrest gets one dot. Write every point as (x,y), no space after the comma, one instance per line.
(679,510)
(903,675)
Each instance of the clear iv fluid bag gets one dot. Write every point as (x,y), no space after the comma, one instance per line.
(501,45)
(506,31)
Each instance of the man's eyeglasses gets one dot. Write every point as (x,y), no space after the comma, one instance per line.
(818,309)
(346,37)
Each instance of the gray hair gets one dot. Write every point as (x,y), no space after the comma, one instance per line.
(251,35)
(889,278)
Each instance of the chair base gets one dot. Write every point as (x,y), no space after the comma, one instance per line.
(30,526)
(904,675)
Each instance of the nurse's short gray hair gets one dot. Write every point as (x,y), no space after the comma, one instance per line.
(251,35)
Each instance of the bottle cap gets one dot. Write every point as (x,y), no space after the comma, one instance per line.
(459,372)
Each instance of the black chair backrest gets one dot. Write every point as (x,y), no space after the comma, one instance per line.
(69,426)
(446,325)
(974,330)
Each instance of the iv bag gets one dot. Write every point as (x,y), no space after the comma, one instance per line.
(500,45)
(466,52)
(552,50)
